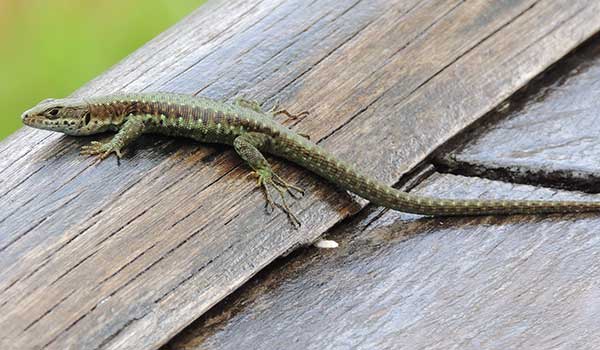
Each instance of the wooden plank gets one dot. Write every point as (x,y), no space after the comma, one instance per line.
(403,281)
(550,135)
(125,256)
(399,281)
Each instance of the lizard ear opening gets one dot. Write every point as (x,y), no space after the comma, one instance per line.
(86,118)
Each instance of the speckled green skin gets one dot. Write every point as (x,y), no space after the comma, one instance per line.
(252,132)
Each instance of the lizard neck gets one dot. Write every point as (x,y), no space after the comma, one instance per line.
(111,113)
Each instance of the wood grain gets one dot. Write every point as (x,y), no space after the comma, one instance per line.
(549,135)
(400,281)
(125,255)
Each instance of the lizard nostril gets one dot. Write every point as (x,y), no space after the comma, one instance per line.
(26,118)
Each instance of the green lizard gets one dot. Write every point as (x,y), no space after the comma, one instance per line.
(251,132)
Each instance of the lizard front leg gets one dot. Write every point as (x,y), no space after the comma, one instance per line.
(130,130)
(247,147)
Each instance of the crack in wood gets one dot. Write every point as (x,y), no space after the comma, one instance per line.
(446,161)
(24,204)
(293,41)
(22,181)
(466,52)
(120,330)
(34,322)
(318,62)
(156,52)
(46,260)
(192,65)
(66,272)
(142,253)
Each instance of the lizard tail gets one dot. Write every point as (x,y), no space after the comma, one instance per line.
(344,175)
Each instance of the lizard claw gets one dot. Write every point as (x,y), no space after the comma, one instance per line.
(276,111)
(266,180)
(100,150)
(294,191)
(260,182)
(290,115)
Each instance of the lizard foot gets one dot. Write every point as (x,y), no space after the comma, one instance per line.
(276,111)
(266,180)
(306,136)
(101,150)
(290,115)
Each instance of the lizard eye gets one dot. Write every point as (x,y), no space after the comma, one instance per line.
(53,112)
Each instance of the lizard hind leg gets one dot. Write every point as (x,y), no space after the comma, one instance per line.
(246,146)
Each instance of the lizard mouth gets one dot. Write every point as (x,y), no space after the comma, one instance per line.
(38,122)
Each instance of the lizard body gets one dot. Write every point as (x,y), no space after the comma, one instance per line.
(251,132)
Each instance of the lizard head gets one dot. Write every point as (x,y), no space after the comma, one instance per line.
(69,116)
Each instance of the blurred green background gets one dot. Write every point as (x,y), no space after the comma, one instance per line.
(49,48)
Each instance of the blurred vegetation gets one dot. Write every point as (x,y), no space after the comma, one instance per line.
(51,47)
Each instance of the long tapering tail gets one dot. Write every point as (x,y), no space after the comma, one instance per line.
(345,176)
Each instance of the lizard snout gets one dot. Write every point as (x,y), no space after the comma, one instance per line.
(30,118)
(26,118)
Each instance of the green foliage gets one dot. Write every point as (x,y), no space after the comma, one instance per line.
(51,47)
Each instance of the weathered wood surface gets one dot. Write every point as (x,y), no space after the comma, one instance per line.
(402,282)
(125,256)
(551,135)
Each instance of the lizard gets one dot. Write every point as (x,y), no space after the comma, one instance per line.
(252,132)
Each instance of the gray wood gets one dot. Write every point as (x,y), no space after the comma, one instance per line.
(550,135)
(125,256)
(400,281)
